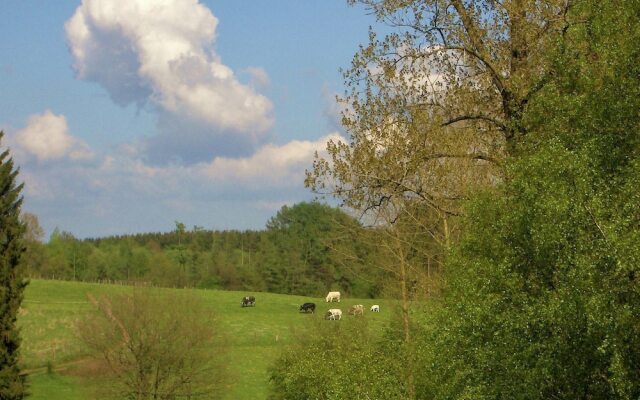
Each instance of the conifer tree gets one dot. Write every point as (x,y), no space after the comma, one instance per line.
(12,282)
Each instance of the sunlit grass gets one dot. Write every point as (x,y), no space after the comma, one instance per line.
(254,335)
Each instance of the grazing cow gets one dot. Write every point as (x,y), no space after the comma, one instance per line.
(333,314)
(357,309)
(308,307)
(375,308)
(333,296)
(248,301)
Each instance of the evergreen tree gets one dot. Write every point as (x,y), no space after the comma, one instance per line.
(12,284)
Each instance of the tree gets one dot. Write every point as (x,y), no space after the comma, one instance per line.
(435,108)
(521,117)
(181,251)
(34,254)
(12,282)
(66,256)
(305,236)
(156,345)
(33,230)
(542,298)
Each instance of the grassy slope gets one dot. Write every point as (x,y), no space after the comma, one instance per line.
(255,335)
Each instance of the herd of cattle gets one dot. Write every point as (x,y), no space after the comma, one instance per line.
(332,313)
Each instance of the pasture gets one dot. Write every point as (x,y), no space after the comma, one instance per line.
(60,368)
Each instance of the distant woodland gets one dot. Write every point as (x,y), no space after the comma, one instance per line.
(305,249)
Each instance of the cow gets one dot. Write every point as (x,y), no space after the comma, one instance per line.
(308,307)
(248,301)
(357,309)
(333,314)
(333,296)
(375,308)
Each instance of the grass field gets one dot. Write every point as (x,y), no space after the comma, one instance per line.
(54,357)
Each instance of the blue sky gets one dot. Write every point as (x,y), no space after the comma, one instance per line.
(127,116)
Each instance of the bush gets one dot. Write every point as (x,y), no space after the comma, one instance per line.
(157,344)
(339,360)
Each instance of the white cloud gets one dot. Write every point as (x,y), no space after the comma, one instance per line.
(46,137)
(121,193)
(67,184)
(270,163)
(162,52)
(271,168)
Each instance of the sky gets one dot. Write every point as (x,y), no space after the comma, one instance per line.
(127,116)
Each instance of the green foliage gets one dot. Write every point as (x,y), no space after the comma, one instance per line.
(295,254)
(33,258)
(330,360)
(12,283)
(542,298)
(304,236)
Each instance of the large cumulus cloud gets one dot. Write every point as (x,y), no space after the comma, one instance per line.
(160,53)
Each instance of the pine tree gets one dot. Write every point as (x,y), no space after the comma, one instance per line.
(12,282)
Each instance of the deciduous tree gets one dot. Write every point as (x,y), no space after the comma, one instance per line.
(542,291)
(156,345)
(34,256)
(435,107)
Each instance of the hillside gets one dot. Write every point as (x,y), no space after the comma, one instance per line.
(254,335)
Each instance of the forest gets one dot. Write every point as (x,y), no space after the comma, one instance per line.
(299,252)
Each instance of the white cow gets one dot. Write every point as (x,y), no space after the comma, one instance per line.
(333,296)
(333,314)
(375,308)
(357,309)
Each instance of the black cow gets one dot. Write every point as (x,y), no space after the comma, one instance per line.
(248,301)
(308,307)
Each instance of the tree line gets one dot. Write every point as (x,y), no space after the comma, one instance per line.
(299,252)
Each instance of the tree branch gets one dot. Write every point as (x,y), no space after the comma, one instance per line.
(476,41)
(471,156)
(487,118)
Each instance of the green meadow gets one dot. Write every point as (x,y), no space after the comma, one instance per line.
(59,367)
